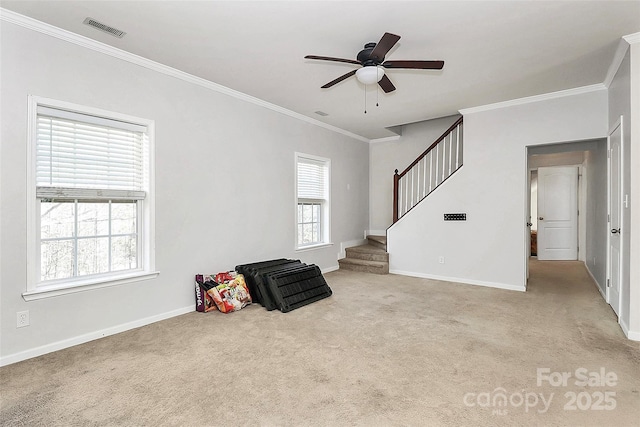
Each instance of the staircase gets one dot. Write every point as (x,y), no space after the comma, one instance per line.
(426,173)
(430,169)
(369,258)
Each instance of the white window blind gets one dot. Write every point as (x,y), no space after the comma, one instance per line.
(80,154)
(312,179)
(312,194)
(93,212)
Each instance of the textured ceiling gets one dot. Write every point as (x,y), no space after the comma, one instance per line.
(493,51)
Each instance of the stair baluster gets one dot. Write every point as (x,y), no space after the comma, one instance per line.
(444,159)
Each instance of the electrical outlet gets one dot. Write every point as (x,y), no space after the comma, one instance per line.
(23,319)
(441,260)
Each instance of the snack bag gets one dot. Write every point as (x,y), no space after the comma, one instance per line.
(231,295)
(204,299)
(224,277)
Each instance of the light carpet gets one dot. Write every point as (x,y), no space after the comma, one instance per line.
(382,351)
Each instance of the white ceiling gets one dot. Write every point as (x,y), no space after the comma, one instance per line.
(493,50)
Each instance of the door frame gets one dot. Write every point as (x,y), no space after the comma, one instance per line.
(618,124)
(581,194)
(527,217)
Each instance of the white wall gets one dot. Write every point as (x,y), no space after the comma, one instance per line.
(596,213)
(634,183)
(491,188)
(624,99)
(620,105)
(224,187)
(386,157)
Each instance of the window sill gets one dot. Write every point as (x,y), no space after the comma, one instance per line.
(86,285)
(312,247)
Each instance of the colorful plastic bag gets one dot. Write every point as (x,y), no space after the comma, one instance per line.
(227,290)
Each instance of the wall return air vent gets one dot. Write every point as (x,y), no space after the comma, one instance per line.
(103,27)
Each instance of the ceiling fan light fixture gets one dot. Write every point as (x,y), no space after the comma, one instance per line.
(370,74)
(372,60)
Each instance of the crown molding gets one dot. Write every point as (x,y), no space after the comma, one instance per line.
(632,38)
(535,98)
(621,51)
(385,139)
(68,36)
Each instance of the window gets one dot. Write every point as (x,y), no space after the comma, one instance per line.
(312,200)
(92,206)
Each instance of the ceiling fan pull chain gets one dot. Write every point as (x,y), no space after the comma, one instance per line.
(365,99)
(377,92)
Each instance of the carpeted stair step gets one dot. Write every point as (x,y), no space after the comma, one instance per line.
(378,241)
(365,266)
(367,252)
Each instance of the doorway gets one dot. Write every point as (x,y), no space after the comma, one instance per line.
(555,199)
(582,166)
(615,212)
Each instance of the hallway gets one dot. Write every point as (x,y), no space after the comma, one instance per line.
(565,288)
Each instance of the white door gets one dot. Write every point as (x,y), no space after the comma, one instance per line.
(613,288)
(558,213)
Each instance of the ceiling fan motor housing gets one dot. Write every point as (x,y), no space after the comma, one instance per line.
(364,57)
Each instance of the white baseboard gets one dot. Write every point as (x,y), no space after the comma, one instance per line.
(632,335)
(375,233)
(349,244)
(329,269)
(81,339)
(461,280)
(595,282)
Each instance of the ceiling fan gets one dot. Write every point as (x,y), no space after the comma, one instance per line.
(371,58)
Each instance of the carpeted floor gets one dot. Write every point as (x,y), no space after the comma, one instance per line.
(383,350)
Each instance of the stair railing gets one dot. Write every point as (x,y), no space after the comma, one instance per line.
(428,171)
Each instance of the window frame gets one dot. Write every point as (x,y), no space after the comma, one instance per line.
(76,238)
(325,209)
(37,289)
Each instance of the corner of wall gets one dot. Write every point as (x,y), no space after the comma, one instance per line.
(595,282)
(621,51)
(632,335)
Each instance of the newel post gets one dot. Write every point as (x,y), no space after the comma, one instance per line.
(396,180)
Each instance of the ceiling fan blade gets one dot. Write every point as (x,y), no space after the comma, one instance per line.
(385,44)
(386,84)
(339,79)
(328,58)
(422,65)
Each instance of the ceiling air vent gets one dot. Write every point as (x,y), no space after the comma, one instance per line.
(321,113)
(103,27)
